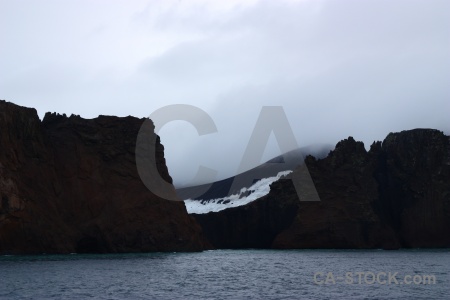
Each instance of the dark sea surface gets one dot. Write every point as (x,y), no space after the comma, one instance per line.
(229,274)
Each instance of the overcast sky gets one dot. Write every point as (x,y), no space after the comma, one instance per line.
(338,68)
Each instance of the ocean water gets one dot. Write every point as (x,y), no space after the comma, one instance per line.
(230,274)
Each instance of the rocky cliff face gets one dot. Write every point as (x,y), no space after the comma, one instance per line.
(69,184)
(395,195)
(254,225)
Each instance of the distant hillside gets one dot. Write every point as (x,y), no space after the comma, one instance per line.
(232,185)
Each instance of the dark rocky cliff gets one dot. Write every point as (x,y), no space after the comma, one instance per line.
(395,195)
(69,184)
(254,225)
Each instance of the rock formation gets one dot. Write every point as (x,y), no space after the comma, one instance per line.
(395,195)
(254,225)
(68,184)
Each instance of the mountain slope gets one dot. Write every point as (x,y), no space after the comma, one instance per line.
(233,185)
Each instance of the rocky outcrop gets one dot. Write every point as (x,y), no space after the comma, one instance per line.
(254,225)
(413,176)
(346,215)
(68,184)
(395,195)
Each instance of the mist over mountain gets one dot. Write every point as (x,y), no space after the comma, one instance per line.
(232,185)
(338,68)
(173,126)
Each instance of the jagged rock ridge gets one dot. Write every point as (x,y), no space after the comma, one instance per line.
(395,195)
(69,184)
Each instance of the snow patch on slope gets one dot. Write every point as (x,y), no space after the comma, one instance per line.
(245,196)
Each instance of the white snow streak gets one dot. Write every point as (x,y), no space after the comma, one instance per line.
(245,196)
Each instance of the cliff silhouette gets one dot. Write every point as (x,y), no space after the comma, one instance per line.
(396,195)
(69,184)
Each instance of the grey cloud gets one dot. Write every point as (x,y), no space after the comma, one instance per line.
(338,68)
